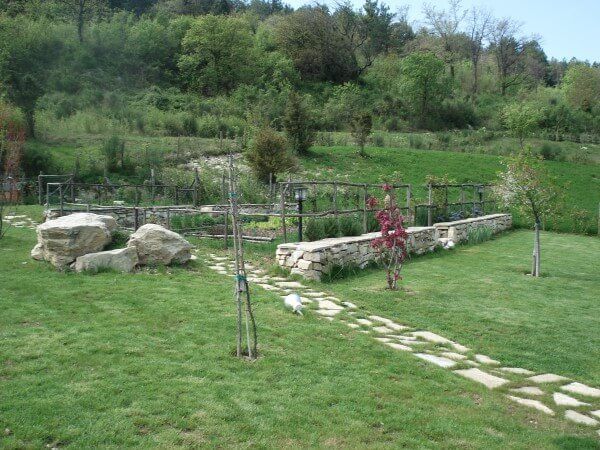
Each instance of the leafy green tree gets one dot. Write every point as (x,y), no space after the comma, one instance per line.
(521,120)
(28,50)
(268,156)
(298,124)
(361,126)
(581,85)
(423,84)
(82,11)
(217,54)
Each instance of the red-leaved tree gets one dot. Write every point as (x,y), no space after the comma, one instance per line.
(391,246)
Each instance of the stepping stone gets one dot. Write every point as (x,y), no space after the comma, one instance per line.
(290,285)
(532,404)
(364,322)
(437,360)
(382,339)
(529,390)
(408,338)
(471,363)
(454,356)
(315,294)
(582,419)
(328,318)
(567,400)
(490,381)
(353,325)
(219,258)
(268,287)
(382,330)
(396,327)
(547,378)
(380,319)
(405,342)
(217,268)
(401,347)
(459,348)
(582,389)
(277,279)
(364,331)
(517,370)
(305,300)
(349,305)
(486,360)
(431,337)
(327,312)
(596,413)
(326,304)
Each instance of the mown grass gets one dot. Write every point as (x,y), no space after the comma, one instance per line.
(143,360)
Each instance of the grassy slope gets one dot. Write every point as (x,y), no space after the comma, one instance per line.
(413,166)
(143,360)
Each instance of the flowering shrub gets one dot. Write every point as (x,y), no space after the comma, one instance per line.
(391,246)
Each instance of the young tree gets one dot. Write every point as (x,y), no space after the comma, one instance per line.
(478,29)
(298,124)
(82,11)
(521,120)
(268,155)
(391,247)
(423,83)
(509,52)
(361,126)
(581,85)
(526,185)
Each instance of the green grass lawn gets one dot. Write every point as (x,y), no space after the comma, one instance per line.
(144,360)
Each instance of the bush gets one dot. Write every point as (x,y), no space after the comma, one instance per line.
(416,141)
(268,155)
(479,234)
(350,226)
(113,150)
(378,140)
(330,227)
(551,152)
(313,230)
(298,124)
(189,125)
(36,159)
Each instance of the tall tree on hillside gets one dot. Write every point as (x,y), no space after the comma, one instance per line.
(446,25)
(423,83)
(82,11)
(509,53)
(479,22)
(582,87)
(298,124)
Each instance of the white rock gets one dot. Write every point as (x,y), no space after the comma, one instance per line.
(579,418)
(353,325)
(529,390)
(401,347)
(482,377)
(38,252)
(582,389)
(157,245)
(547,378)
(326,304)
(327,312)
(532,404)
(364,322)
(567,400)
(349,305)
(290,285)
(62,240)
(483,359)
(121,260)
(437,360)
(431,337)
(454,356)
(596,413)
(517,370)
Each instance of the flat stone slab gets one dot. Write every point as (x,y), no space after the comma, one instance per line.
(353,325)
(532,404)
(397,346)
(327,312)
(454,356)
(567,400)
(327,304)
(383,339)
(517,370)
(315,294)
(290,285)
(431,337)
(459,348)
(596,413)
(529,390)
(382,330)
(579,418)
(488,380)
(268,287)
(364,322)
(483,359)
(547,378)
(582,389)
(437,360)
(349,305)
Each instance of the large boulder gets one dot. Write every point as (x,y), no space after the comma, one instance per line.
(62,240)
(121,260)
(157,245)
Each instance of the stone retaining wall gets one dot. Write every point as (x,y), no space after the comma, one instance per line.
(458,231)
(312,259)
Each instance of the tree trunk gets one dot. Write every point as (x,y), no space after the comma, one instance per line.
(535,267)
(80,18)
(30,123)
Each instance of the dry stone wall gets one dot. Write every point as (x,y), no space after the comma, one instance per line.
(312,259)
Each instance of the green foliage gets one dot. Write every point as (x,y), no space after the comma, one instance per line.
(113,151)
(268,155)
(217,54)
(582,87)
(298,124)
(479,234)
(361,126)
(521,120)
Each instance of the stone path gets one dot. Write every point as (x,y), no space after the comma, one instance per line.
(552,394)
(20,221)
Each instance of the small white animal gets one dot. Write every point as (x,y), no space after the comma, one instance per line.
(450,244)
(294,302)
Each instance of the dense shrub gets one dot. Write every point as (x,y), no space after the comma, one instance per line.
(268,155)
(551,152)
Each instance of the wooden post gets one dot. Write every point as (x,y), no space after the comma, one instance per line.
(40,187)
(196,187)
(282,206)
(429,206)
(462,201)
(365,212)
(223,190)
(408,200)
(60,193)
(137,196)
(177,195)
(135,218)
(474,201)
(226,232)
(72,184)
(153,182)
(482,198)
(446,201)
(335,205)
